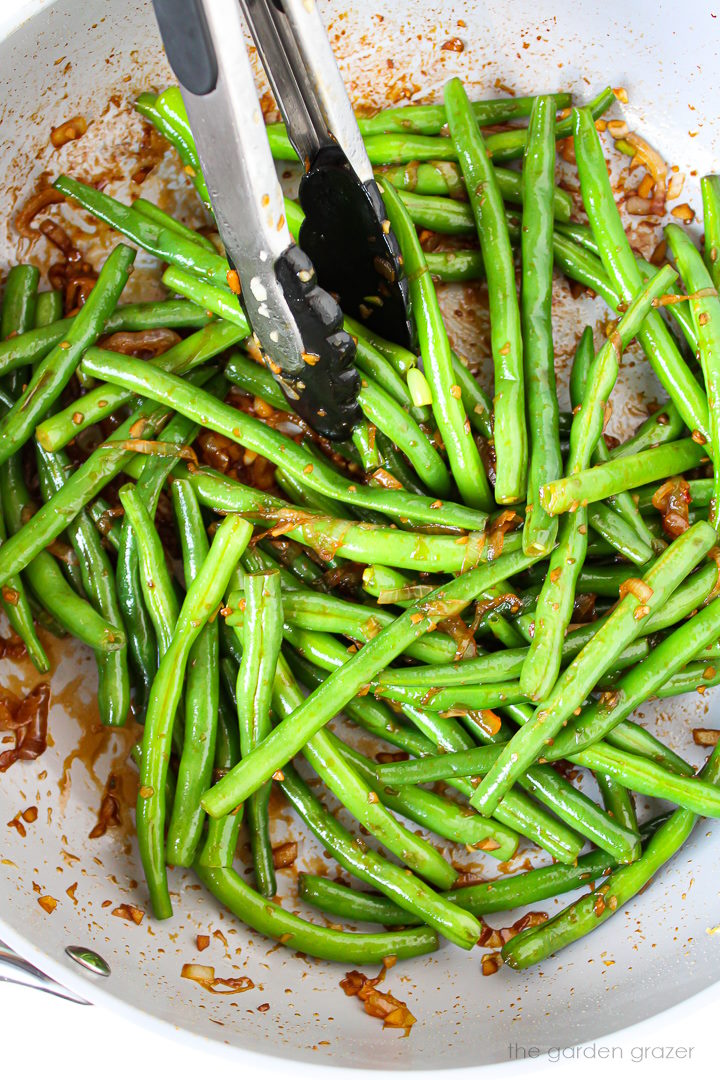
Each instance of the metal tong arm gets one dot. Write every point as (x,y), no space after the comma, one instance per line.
(205,43)
(304,77)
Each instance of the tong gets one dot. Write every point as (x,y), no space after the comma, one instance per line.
(347,258)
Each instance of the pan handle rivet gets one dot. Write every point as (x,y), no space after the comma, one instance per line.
(89,959)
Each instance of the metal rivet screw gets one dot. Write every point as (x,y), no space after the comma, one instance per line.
(89,959)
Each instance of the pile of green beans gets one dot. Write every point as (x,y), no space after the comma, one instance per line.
(483,583)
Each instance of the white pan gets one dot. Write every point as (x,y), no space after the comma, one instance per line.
(68,57)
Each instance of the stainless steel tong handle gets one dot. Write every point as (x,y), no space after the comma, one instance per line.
(15,969)
(304,77)
(205,42)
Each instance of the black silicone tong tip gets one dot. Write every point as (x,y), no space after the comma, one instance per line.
(353,250)
(325,391)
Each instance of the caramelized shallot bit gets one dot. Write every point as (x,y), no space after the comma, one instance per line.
(584,608)
(706,736)
(378,1003)
(205,976)
(109,813)
(672,500)
(284,854)
(505,522)
(495,939)
(35,205)
(491,963)
(129,912)
(647,156)
(142,344)
(28,721)
(67,132)
(638,588)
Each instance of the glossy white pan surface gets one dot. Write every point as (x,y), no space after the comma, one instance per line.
(92,57)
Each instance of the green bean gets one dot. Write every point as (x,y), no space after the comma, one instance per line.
(557,595)
(16,605)
(487,898)
(442,816)
(19,301)
(444,178)
(620,474)
(222,833)
(382,411)
(164,243)
(574,807)
(468,698)
(33,345)
(428,178)
(273,921)
(463,456)
(99,586)
(58,430)
(638,684)
(619,533)
(53,373)
(303,496)
(480,670)
(710,189)
(602,373)
(255,379)
(138,622)
(341,776)
(478,405)
(664,425)
(407,890)
(17,310)
(618,802)
(203,596)
(506,338)
(634,739)
(331,614)
(695,678)
(700,494)
(624,624)
(385,149)
(434,813)
(148,106)
(45,578)
(705,312)
(155,214)
(278,448)
(363,439)
(195,767)
(496,839)
(430,119)
(446,216)
(456,265)
(398,356)
(49,308)
(516,809)
(390,586)
(262,638)
(580,918)
(357,796)
(343,684)
(622,270)
(158,591)
(352,904)
(636,541)
(545,462)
